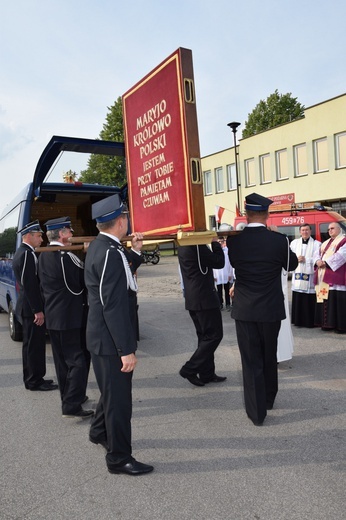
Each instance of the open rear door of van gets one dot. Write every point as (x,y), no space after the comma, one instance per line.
(59,144)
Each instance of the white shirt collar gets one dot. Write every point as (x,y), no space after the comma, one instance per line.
(110,236)
(55,243)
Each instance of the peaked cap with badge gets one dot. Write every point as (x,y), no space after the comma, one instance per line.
(58,223)
(108,209)
(256,202)
(32,227)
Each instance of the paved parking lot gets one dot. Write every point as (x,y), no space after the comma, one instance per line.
(210,461)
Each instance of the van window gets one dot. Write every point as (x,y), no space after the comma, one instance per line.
(324,229)
(8,233)
(292,232)
(343,225)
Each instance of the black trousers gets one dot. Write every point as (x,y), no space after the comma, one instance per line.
(258,345)
(71,368)
(209,330)
(33,353)
(225,288)
(303,309)
(112,420)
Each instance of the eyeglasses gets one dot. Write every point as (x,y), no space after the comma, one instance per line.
(329,229)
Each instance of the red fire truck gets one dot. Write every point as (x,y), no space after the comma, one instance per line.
(289,217)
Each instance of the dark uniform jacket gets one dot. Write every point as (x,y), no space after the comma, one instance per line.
(111,326)
(62,281)
(258,257)
(25,269)
(196,265)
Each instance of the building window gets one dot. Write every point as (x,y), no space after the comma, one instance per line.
(340,150)
(219,180)
(281,165)
(212,222)
(265,168)
(320,155)
(300,160)
(231,177)
(250,172)
(208,190)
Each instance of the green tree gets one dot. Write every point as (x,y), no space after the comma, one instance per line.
(106,169)
(275,110)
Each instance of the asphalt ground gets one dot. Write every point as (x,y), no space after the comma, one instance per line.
(210,460)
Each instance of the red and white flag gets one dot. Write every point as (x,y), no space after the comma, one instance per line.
(218,213)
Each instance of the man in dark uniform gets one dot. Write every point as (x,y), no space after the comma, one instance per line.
(111,332)
(62,281)
(29,309)
(258,256)
(202,302)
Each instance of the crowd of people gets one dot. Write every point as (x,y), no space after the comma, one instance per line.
(90,312)
(319,281)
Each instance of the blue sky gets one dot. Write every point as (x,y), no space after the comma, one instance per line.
(63,63)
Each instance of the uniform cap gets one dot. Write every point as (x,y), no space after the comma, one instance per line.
(32,227)
(108,208)
(255,202)
(58,223)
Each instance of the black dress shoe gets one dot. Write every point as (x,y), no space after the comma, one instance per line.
(256,423)
(194,379)
(81,414)
(215,379)
(48,381)
(132,468)
(44,387)
(102,442)
(86,398)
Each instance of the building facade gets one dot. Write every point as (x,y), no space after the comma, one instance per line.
(301,161)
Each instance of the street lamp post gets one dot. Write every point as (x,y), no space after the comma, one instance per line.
(234,125)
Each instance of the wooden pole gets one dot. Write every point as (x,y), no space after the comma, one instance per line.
(190,238)
(59,248)
(127,238)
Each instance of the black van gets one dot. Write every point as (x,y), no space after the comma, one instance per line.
(43,201)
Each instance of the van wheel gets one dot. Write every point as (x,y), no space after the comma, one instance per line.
(14,326)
